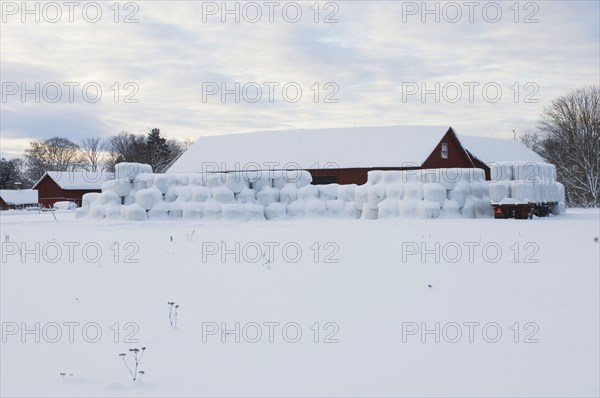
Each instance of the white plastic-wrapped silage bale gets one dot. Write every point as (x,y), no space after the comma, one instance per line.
(163,182)
(160,211)
(428,209)
(288,193)
(308,192)
(328,191)
(315,208)
(394,190)
(459,193)
(246,195)
(235,182)
(375,194)
(335,207)
(267,195)
(201,194)
(192,210)
(407,208)
(499,190)
(148,198)
(347,192)
(89,198)
(234,212)
(129,171)
(133,212)
(413,191)
(434,193)
(222,194)
(450,209)
(296,209)
(388,208)
(275,210)
(212,210)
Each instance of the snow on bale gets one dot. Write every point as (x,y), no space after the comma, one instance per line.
(350,210)
(428,209)
(434,193)
(222,194)
(130,199)
(143,181)
(389,208)
(133,212)
(246,195)
(201,194)
(108,186)
(112,212)
(97,210)
(375,194)
(148,198)
(335,207)
(375,176)
(449,177)
(288,193)
(296,209)
(212,210)
(360,196)
(499,190)
(408,208)
(255,211)
(483,209)
(159,212)
(129,171)
(175,210)
(501,171)
(413,191)
(522,191)
(267,195)
(82,212)
(182,179)
(184,194)
(261,180)
(197,180)
(163,182)
(233,212)
(450,209)
(396,190)
(214,180)
(315,208)
(275,210)
(302,178)
(122,187)
(88,198)
(328,191)
(347,192)
(109,198)
(235,182)
(192,210)
(459,193)
(368,213)
(468,210)
(308,192)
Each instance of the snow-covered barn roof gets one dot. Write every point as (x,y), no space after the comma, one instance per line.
(359,147)
(491,150)
(72,180)
(19,197)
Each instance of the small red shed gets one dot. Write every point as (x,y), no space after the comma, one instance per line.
(56,186)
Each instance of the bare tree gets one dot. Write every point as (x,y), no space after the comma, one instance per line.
(570,129)
(125,147)
(93,153)
(533,140)
(53,154)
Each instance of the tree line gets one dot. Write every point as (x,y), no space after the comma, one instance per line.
(568,136)
(92,154)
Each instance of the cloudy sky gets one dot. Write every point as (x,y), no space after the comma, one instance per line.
(197,68)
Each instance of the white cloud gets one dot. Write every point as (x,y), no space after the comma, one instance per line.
(369,53)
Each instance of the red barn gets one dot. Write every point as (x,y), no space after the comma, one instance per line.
(17,199)
(56,186)
(339,155)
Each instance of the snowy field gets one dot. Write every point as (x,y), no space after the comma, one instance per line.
(323,307)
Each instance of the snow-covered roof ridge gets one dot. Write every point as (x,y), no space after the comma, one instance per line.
(352,147)
(80,179)
(493,150)
(19,197)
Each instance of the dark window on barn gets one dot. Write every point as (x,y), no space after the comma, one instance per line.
(444,151)
(322,180)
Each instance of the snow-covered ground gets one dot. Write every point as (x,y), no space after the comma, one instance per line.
(357,290)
